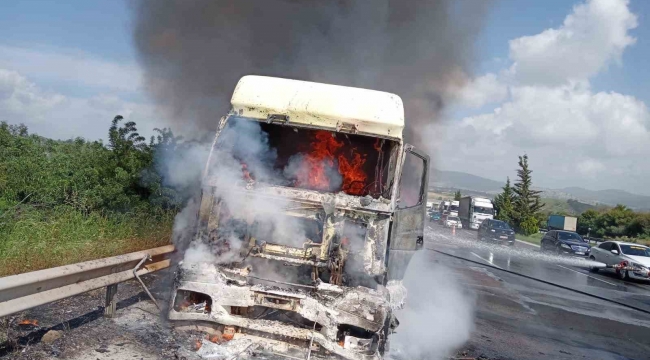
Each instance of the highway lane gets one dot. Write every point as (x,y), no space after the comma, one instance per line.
(520,318)
(509,317)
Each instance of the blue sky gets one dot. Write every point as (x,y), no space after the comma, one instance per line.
(71,65)
(510,19)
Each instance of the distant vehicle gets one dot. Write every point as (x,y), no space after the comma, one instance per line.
(453,208)
(473,210)
(496,231)
(559,222)
(616,252)
(434,216)
(429,205)
(565,243)
(450,221)
(443,207)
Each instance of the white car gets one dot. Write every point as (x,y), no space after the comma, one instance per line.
(616,253)
(451,221)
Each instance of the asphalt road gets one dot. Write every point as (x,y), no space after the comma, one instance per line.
(519,318)
(454,308)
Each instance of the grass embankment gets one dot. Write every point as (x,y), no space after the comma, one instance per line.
(533,239)
(33,239)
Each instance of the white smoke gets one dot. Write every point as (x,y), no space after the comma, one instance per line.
(439,314)
(242,148)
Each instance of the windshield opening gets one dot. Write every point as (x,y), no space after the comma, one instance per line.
(569,236)
(453,208)
(306,158)
(635,250)
(483,210)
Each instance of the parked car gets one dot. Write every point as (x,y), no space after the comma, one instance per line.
(616,252)
(496,231)
(565,243)
(450,221)
(434,215)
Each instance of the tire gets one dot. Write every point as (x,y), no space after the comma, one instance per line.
(593,269)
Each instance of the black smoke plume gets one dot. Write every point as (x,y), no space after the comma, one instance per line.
(193,52)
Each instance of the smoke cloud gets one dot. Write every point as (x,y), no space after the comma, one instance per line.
(438,318)
(194,52)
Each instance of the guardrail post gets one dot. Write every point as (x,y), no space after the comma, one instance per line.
(109,310)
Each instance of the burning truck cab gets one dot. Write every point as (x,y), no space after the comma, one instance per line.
(312,207)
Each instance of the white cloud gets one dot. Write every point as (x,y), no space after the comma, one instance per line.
(573,135)
(591,37)
(590,167)
(19,97)
(58,116)
(71,66)
(481,91)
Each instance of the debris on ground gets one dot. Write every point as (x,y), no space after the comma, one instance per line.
(231,350)
(194,308)
(51,336)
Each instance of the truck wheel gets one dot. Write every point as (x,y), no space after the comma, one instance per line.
(593,269)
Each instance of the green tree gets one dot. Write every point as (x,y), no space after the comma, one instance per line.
(527,202)
(587,220)
(639,226)
(504,204)
(614,222)
(457,195)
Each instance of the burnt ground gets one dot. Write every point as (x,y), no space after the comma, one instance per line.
(136,332)
(513,318)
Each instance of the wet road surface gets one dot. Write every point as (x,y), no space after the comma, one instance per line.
(519,318)
(485,314)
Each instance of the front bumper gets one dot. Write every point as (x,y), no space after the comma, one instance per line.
(582,253)
(457,226)
(325,310)
(497,239)
(639,275)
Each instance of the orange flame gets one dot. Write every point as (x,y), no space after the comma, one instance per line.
(324,149)
(197,345)
(28,322)
(213,338)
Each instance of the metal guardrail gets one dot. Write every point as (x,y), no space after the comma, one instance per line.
(25,291)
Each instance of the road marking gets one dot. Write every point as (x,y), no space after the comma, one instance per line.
(589,276)
(486,260)
(527,243)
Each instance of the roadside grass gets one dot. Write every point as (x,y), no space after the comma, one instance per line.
(37,239)
(533,239)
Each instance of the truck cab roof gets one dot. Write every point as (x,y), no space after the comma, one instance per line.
(332,107)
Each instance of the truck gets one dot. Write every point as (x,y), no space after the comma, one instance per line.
(561,222)
(443,207)
(473,210)
(311,209)
(453,208)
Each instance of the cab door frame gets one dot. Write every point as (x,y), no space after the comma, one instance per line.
(407,225)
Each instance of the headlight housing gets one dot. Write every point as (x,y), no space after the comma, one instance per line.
(638,266)
(493,230)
